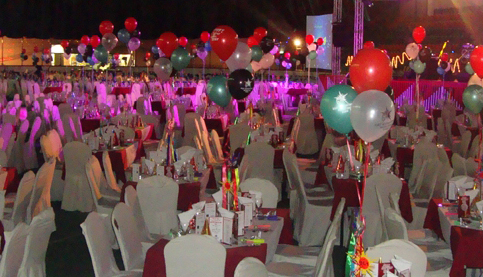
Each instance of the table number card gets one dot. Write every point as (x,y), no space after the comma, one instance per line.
(241,222)
(159,170)
(227,229)
(92,143)
(451,191)
(210,209)
(248,208)
(200,223)
(216,228)
(135,172)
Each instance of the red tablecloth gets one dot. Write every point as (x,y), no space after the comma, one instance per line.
(215,124)
(57,103)
(286,237)
(455,130)
(297,91)
(90,124)
(12,181)
(121,90)
(52,89)
(318,123)
(348,188)
(189,193)
(186,91)
(160,107)
(466,243)
(436,113)
(154,264)
(118,162)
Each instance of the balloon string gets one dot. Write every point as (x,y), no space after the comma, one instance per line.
(417,97)
(479,146)
(350,154)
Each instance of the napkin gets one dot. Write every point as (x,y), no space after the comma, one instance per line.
(430,134)
(401,264)
(258,194)
(464,182)
(386,164)
(184,218)
(390,274)
(178,165)
(243,200)
(374,154)
(150,165)
(479,205)
(226,213)
(472,194)
(218,196)
(199,206)
(188,155)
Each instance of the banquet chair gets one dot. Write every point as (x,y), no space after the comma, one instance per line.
(238,136)
(77,193)
(97,238)
(155,120)
(20,202)
(110,178)
(258,163)
(404,249)
(424,150)
(40,229)
(179,113)
(158,197)
(133,251)
(249,267)
(310,216)
(474,148)
(40,197)
(7,133)
(215,139)
(443,157)
(205,250)
(69,127)
(459,165)
(376,198)
(461,146)
(3,157)
(307,255)
(131,199)
(15,159)
(442,134)
(14,250)
(190,130)
(205,145)
(471,167)
(267,188)
(306,137)
(9,118)
(64,109)
(103,202)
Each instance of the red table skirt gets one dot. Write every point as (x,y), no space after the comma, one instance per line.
(159,106)
(57,103)
(286,237)
(348,188)
(154,264)
(297,91)
(186,91)
(405,157)
(455,131)
(466,243)
(12,181)
(318,123)
(90,124)
(52,89)
(189,193)
(118,163)
(215,124)
(121,90)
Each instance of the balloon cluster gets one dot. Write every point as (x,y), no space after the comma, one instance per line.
(23,55)
(419,56)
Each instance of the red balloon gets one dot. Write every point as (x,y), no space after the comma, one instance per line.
(260,33)
(130,24)
(320,41)
(309,39)
(193,46)
(148,55)
(205,36)
(369,44)
(46,51)
(370,69)
(85,40)
(24,51)
(476,60)
(420,46)
(296,53)
(419,33)
(36,49)
(445,57)
(95,41)
(116,56)
(106,27)
(252,41)
(277,54)
(287,55)
(183,41)
(224,41)
(65,44)
(167,42)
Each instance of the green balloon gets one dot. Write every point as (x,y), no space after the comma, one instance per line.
(218,91)
(312,55)
(473,98)
(180,59)
(336,107)
(469,69)
(101,54)
(419,67)
(257,53)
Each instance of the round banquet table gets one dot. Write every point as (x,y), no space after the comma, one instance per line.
(186,91)
(52,89)
(121,90)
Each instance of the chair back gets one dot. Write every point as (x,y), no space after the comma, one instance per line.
(238,136)
(40,198)
(13,253)
(395,226)
(267,188)
(459,165)
(22,201)
(259,158)
(131,199)
(249,267)
(110,178)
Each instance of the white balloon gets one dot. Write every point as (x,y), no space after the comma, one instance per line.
(267,61)
(372,114)
(412,50)
(312,47)
(256,66)
(240,58)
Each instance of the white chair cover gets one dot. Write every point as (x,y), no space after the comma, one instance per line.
(65,108)
(249,267)
(152,119)
(131,199)
(158,196)
(424,150)
(77,193)
(190,131)
(97,183)
(29,154)
(128,237)
(16,156)
(459,165)
(110,178)
(3,157)
(395,226)
(135,93)
(14,250)
(471,167)
(33,263)
(101,94)
(7,131)
(306,137)
(40,198)
(21,203)
(238,136)
(404,249)
(258,161)
(215,139)
(205,250)
(268,190)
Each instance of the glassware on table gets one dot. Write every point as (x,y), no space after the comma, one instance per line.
(258,203)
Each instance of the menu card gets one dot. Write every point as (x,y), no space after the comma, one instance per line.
(92,143)
(248,208)
(227,230)
(210,209)
(216,228)
(135,172)
(451,191)
(241,222)
(200,223)
(159,170)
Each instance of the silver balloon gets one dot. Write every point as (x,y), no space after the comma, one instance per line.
(109,41)
(241,58)
(163,68)
(372,114)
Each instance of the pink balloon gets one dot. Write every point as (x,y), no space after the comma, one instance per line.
(202,54)
(134,44)
(267,61)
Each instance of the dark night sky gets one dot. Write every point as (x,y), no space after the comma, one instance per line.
(70,19)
